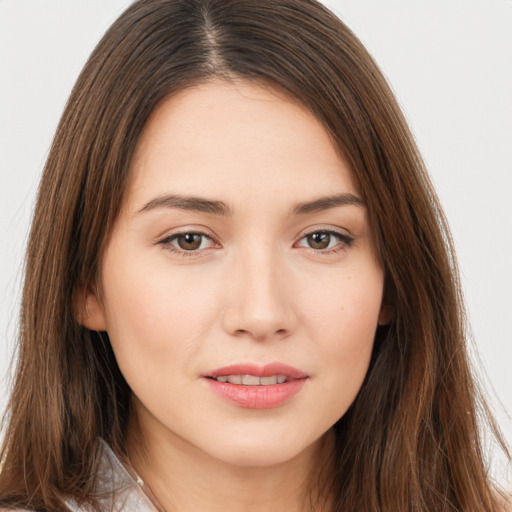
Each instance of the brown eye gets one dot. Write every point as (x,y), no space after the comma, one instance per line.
(189,241)
(319,240)
(325,241)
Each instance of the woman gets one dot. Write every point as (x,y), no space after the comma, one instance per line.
(240,290)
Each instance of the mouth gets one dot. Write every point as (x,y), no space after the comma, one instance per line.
(252,380)
(256,387)
(251,374)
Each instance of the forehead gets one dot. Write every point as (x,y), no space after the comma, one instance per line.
(222,139)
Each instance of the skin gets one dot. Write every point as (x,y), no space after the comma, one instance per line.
(256,290)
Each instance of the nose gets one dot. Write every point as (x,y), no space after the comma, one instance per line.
(260,302)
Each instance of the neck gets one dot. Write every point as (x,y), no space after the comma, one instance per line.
(183,477)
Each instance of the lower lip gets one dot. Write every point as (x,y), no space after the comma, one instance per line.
(257,397)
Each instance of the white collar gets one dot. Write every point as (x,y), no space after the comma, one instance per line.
(116,489)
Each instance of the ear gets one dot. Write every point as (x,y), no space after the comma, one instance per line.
(89,310)
(386,315)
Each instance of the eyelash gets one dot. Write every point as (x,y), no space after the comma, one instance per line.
(344,241)
(167,243)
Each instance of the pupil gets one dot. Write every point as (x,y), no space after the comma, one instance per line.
(319,240)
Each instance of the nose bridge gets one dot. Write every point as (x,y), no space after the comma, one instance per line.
(259,303)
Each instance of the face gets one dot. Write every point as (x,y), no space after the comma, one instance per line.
(240,287)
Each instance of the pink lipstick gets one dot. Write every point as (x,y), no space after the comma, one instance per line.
(256,387)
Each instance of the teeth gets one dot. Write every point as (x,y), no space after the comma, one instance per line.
(252,380)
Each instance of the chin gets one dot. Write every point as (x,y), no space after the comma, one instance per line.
(258,451)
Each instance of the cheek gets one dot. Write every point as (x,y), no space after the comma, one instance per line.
(154,315)
(343,322)
(347,306)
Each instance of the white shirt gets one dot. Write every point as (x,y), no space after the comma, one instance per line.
(116,489)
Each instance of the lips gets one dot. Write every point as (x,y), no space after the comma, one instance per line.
(256,387)
(267,370)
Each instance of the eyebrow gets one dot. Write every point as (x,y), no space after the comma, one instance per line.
(215,207)
(326,203)
(190,203)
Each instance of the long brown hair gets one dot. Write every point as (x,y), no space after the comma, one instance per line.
(410,441)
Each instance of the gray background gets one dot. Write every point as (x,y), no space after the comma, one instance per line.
(450,65)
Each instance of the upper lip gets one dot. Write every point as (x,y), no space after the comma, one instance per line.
(267,370)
